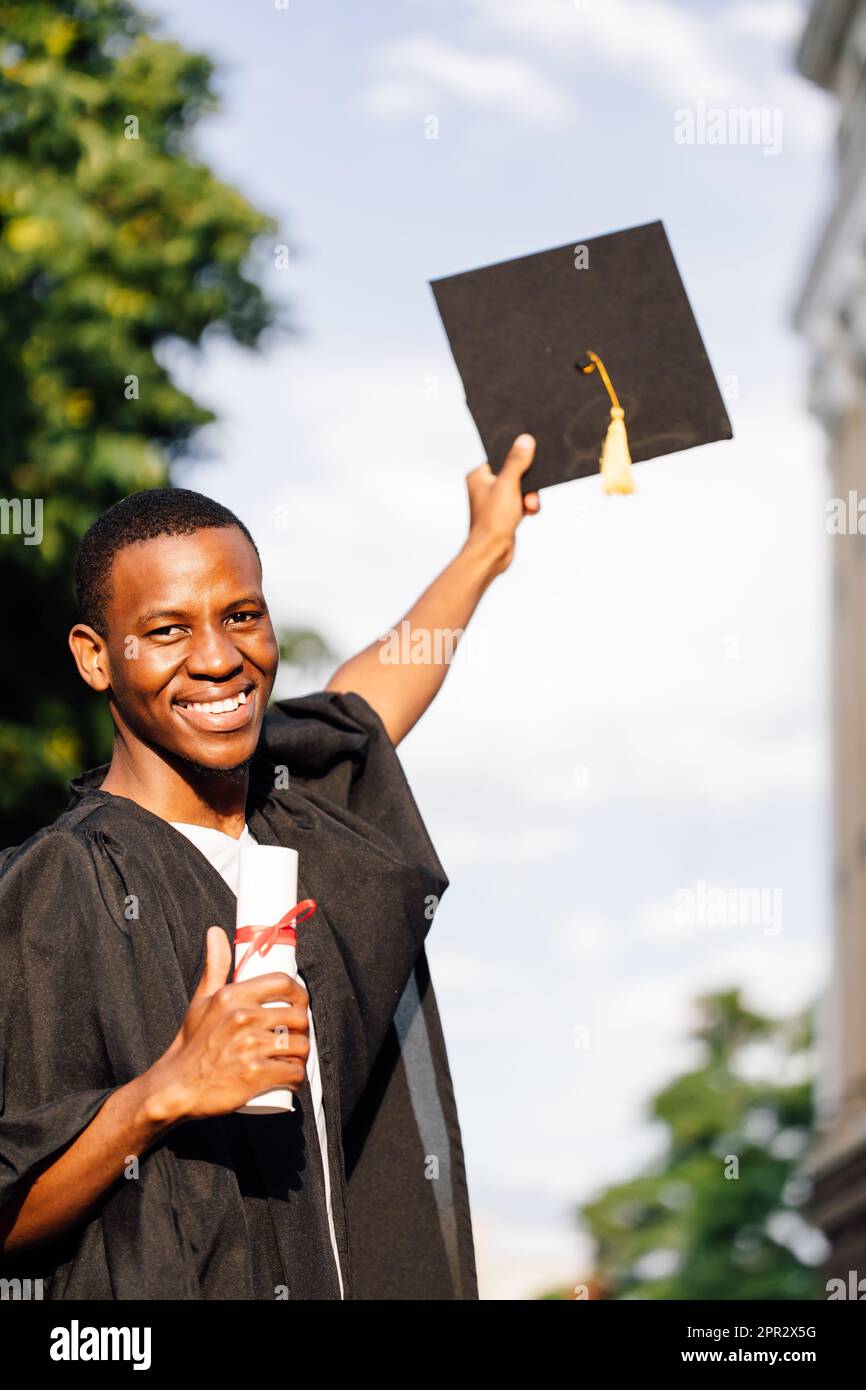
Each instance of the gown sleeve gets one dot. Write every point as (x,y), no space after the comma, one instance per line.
(366,856)
(336,746)
(54,1073)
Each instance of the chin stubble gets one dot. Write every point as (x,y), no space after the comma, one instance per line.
(228,774)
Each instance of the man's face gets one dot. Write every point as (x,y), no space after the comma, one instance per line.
(192,652)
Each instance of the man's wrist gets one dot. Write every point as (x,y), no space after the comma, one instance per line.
(484,555)
(162,1102)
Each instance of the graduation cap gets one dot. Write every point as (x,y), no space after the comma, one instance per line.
(592,348)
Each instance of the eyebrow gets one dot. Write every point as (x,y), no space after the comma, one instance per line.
(179,614)
(154,613)
(257,599)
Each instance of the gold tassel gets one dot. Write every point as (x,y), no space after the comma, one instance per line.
(615,462)
(615,457)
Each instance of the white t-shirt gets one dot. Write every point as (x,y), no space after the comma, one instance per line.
(224,853)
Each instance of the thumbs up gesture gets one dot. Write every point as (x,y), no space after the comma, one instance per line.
(230,1046)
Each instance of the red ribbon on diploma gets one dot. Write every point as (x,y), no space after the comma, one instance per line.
(282,933)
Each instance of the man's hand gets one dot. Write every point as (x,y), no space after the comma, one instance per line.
(226,1051)
(496,505)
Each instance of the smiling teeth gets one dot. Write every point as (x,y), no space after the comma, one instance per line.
(217,706)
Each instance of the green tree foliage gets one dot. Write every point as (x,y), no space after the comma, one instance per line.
(713,1219)
(114,240)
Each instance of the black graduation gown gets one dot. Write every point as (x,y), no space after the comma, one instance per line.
(102,928)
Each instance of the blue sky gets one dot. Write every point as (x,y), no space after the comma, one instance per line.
(640,706)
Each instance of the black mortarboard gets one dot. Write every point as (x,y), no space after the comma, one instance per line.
(532,338)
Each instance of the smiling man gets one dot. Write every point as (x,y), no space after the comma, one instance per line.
(125,1171)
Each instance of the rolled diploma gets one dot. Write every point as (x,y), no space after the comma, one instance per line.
(267,888)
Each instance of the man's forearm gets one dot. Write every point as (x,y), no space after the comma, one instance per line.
(131,1120)
(400,691)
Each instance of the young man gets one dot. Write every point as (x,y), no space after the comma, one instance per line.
(125,1171)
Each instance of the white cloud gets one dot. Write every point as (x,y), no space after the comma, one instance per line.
(468,842)
(415,73)
(777,21)
(681,53)
(583,939)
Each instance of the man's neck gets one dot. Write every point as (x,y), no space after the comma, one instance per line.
(178,791)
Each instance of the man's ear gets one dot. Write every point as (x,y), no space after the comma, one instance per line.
(91,656)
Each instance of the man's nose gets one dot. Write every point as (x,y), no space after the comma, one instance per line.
(212,652)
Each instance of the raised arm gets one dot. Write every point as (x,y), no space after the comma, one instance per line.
(400,691)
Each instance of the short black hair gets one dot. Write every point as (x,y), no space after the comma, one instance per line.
(160,511)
